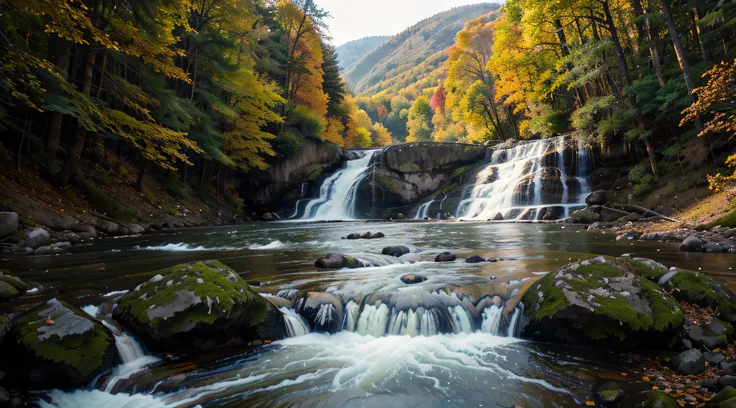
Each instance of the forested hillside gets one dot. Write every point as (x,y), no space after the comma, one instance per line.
(352,51)
(186,90)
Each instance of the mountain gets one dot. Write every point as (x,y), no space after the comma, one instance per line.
(352,51)
(412,55)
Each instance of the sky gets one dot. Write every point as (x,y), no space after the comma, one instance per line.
(354,19)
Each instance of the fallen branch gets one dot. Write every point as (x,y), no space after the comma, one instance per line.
(615,210)
(646,211)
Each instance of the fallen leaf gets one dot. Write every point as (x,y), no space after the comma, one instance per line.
(590,403)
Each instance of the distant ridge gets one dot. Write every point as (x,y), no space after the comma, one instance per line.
(350,52)
(413,54)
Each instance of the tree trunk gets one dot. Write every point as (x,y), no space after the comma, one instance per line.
(141,173)
(681,57)
(645,31)
(53,131)
(698,32)
(74,154)
(620,55)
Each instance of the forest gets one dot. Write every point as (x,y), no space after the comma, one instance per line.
(210,85)
(658,73)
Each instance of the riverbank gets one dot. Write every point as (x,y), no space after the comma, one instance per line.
(106,199)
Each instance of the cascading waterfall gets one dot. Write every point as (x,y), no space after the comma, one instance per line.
(512,185)
(423,211)
(338,194)
(379,319)
(131,353)
(296,325)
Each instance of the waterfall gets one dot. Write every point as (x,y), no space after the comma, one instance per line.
(296,325)
(513,186)
(583,169)
(373,320)
(338,194)
(131,353)
(423,211)
(492,320)
(460,319)
(296,208)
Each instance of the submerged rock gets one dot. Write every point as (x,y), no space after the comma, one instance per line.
(692,244)
(475,259)
(199,305)
(338,261)
(445,257)
(396,251)
(367,235)
(412,279)
(600,302)
(56,345)
(609,394)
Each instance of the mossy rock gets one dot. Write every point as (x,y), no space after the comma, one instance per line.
(725,398)
(4,327)
(647,268)
(198,305)
(603,303)
(56,345)
(7,291)
(701,289)
(649,399)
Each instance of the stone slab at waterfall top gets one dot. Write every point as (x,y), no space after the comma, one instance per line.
(198,305)
(56,345)
(600,302)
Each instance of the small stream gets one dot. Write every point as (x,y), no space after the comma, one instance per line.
(447,341)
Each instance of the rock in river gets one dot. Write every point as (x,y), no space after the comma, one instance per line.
(32,238)
(596,198)
(8,223)
(445,257)
(692,244)
(475,259)
(58,345)
(600,302)
(699,288)
(338,261)
(396,251)
(689,362)
(412,279)
(199,305)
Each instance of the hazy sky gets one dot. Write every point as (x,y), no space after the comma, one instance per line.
(354,19)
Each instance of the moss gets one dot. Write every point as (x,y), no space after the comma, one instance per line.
(727,394)
(615,317)
(728,220)
(208,279)
(316,174)
(695,287)
(648,270)
(444,189)
(15,282)
(609,394)
(385,183)
(84,351)
(462,170)
(727,325)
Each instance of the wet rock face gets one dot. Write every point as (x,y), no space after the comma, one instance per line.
(475,259)
(199,305)
(323,310)
(338,261)
(552,188)
(599,302)
(44,347)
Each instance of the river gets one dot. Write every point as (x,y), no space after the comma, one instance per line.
(462,361)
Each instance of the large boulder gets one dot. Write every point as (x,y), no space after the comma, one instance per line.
(323,310)
(8,223)
(689,362)
(600,302)
(32,238)
(338,261)
(584,216)
(596,198)
(199,305)
(724,399)
(56,345)
(645,267)
(445,257)
(7,291)
(699,288)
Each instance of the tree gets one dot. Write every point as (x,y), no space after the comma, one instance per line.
(381,136)
(419,122)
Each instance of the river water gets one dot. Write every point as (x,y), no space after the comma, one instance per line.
(445,360)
